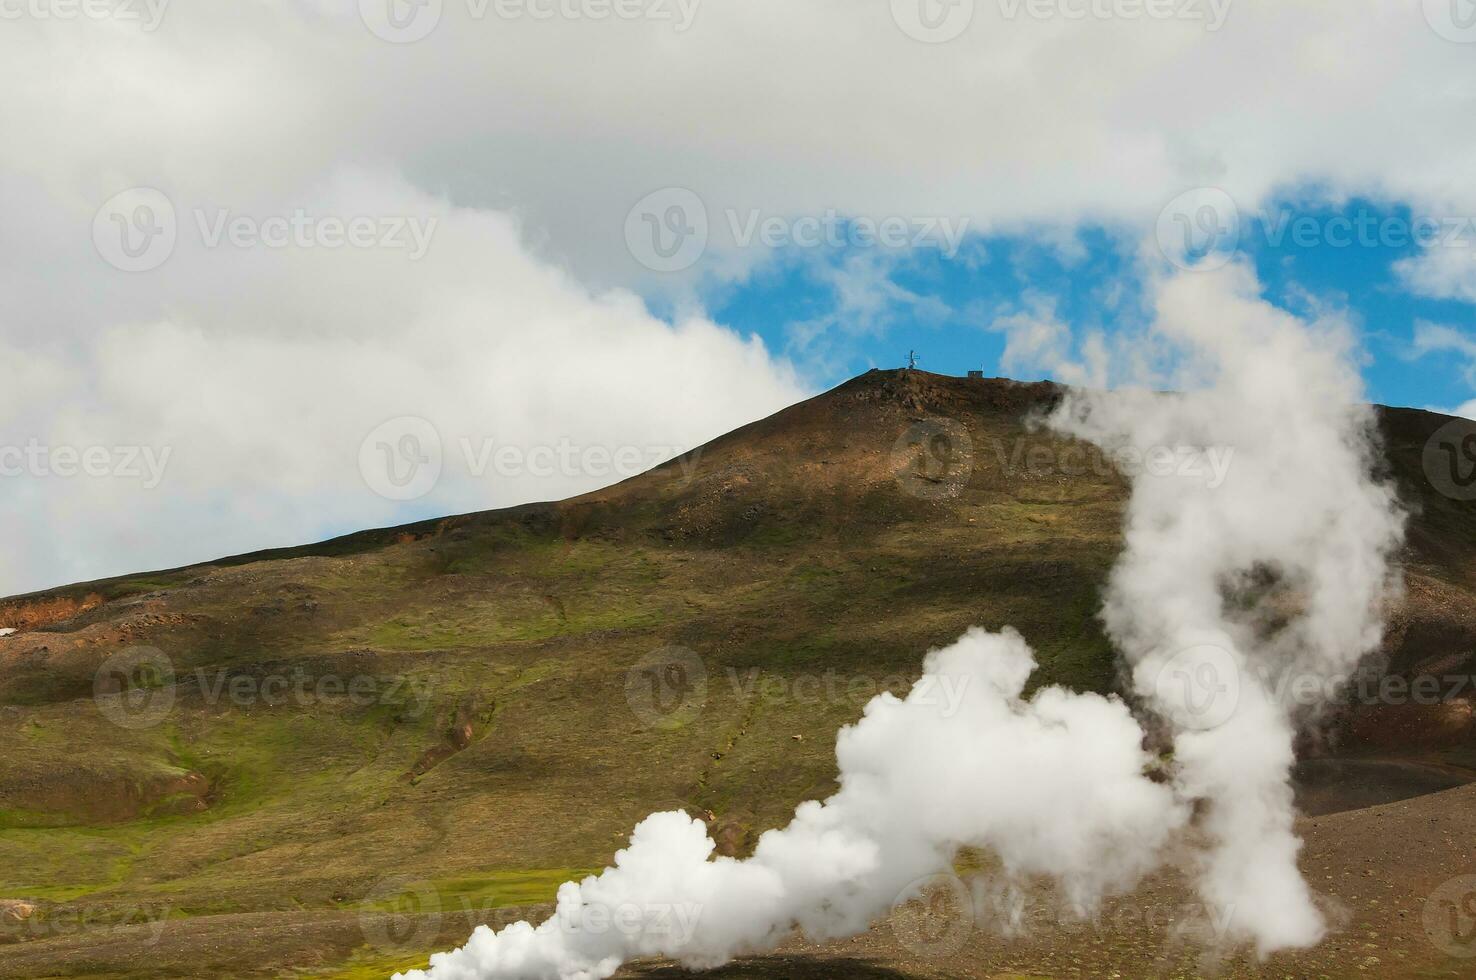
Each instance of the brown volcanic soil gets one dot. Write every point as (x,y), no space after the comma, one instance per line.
(1372,869)
(259,825)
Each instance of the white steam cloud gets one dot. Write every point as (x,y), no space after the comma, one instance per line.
(1222,596)
(1054,786)
(1227,600)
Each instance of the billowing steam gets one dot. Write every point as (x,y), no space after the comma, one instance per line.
(1224,594)
(1054,786)
(1238,606)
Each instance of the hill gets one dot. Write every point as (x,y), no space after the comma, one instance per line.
(246,766)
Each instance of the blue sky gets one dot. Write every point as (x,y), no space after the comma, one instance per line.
(1091,278)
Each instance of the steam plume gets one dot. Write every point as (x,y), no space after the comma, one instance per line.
(1233,587)
(1054,786)
(1227,599)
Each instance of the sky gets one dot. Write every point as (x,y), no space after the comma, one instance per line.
(275,270)
(1093,284)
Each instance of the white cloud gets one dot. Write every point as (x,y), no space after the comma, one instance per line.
(261,372)
(865,300)
(1442,272)
(1035,338)
(530,140)
(1433,338)
(1438,339)
(572,121)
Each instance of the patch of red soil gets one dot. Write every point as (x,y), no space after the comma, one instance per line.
(30,614)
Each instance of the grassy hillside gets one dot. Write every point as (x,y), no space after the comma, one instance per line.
(253,762)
